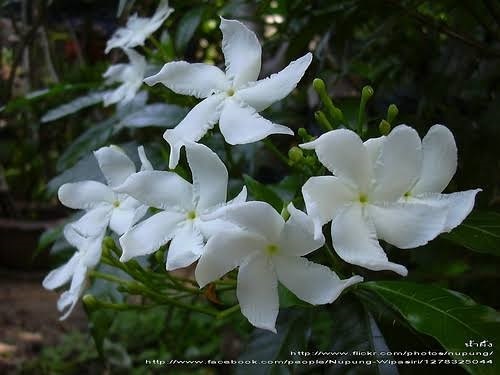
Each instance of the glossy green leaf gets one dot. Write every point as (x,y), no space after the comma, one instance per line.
(187,27)
(73,106)
(261,192)
(452,318)
(479,232)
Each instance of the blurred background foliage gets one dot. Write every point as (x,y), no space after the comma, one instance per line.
(438,61)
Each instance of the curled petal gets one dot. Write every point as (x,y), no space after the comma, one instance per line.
(398,164)
(69,298)
(241,124)
(224,252)
(85,194)
(121,220)
(147,236)
(115,164)
(242,52)
(311,282)
(344,154)
(145,163)
(94,222)
(439,161)
(257,292)
(209,176)
(276,87)
(407,225)
(194,126)
(185,248)
(199,80)
(62,274)
(164,190)
(355,241)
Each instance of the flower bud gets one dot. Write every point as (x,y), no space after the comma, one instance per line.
(284,213)
(392,112)
(366,93)
(323,121)
(384,127)
(90,302)
(295,154)
(319,85)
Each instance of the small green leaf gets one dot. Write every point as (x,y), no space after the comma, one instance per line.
(187,27)
(453,319)
(73,106)
(263,193)
(479,232)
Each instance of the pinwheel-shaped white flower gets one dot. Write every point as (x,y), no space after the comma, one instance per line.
(267,249)
(185,205)
(233,98)
(138,29)
(130,75)
(364,196)
(103,204)
(439,164)
(86,257)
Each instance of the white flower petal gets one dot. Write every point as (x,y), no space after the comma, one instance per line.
(324,196)
(241,124)
(407,225)
(185,248)
(72,236)
(458,205)
(69,298)
(94,221)
(164,190)
(373,147)
(276,87)
(145,163)
(115,164)
(147,236)
(344,154)
(62,274)
(355,241)
(199,80)
(257,292)
(255,216)
(197,122)
(210,228)
(242,52)
(209,176)
(439,160)
(398,165)
(121,220)
(92,250)
(297,237)
(85,194)
(224,252)
(309,281)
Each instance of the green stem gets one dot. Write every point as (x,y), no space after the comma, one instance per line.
(105,276)
(225,313)
(275,151)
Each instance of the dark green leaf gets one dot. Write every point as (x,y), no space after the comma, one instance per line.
(288,299)
(452,318)
(187,26)
(479,232)
(73,106)
(263,193)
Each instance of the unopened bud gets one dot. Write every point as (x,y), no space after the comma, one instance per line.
(90,302)
(392,112)
(323,121)
(366,93)
(384,127)
(310,160)
(319,85)
(284,213)
(295,154)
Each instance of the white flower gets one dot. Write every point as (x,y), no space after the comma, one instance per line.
(233,98)
(266,250)
(103,204)
(130,75)
(139,28)
(86,257)
(438,167)
(364,196)
(185,206)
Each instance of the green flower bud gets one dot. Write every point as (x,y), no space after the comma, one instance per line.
(310,160)
(319,85)
(323,121)
(366,93)
(90,302)
(284,212)
(295,154)
(384,127)
(392,112)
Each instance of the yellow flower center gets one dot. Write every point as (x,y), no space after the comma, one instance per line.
(272,249)
(116,203)
(363,198)
(230,92)
(407,195)
(191,215)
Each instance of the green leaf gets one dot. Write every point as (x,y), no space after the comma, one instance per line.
(263,193)
(288,299)
(479,232)
(73,106)
(187,27)
(99,323)
(450,317)
(292,335)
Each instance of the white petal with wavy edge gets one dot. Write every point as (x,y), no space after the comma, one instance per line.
(242,52)
(186,246)
(224,252)
(147,236)
(265,92)
(164,190)
(297,237)
(407,225)
(257,292)
(355,241)
(194,126)
(398,164)
(344,154)
(115,164)
(69,298)
(85,194)
(309,281)
(199,80)
(241,124)
(61,275)
(209,176)
(121,220)
(439,161)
